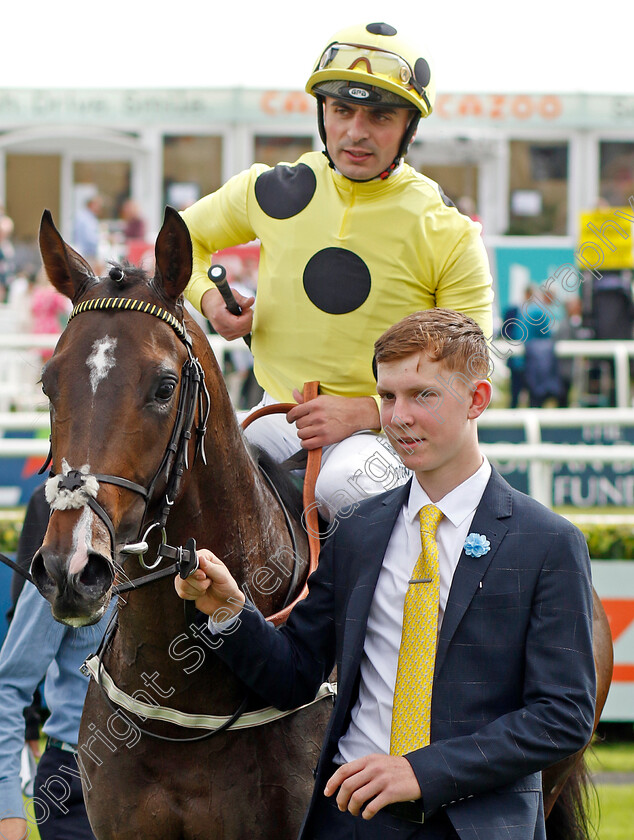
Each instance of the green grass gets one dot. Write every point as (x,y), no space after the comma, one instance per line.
(613,807)
(32,828)
(611,758)
(613,815)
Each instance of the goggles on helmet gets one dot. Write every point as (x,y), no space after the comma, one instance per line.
(373,62)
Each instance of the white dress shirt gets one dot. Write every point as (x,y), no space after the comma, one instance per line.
(369,730)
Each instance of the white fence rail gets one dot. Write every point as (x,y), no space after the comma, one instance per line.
(618,352)
(539,456)
(22,359)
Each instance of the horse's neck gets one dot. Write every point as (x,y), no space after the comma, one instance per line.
(239,520)
(226,507)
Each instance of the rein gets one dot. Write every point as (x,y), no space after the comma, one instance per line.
(310,519)
(72,489)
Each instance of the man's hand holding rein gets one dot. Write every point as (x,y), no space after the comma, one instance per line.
(211,587)
(330,419)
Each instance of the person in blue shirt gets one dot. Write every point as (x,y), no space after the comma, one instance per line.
(36,647)
(86,232)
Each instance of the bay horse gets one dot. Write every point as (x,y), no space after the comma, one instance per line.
(120,430)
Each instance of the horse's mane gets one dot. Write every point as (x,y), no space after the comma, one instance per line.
(289,490)
(135,275)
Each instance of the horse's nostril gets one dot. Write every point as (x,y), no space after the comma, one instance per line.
(41,578)
(97,574)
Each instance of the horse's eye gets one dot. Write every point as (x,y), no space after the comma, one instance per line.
(165,390)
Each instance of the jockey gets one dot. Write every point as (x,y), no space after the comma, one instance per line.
(352,239)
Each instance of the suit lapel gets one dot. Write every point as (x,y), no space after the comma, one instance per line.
(495,504)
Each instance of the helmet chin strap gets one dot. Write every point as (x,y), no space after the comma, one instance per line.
(408,136)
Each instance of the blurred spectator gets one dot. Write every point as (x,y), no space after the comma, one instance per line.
(570,328)
(49,309)
(19,300)
(134,224)
(612,309)
(31,538)
(514,331)
(37,646)
(467,207)
(7,256)
(608,312)
(541,366)
(87,231)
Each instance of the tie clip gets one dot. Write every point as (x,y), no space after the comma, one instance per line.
(420,580)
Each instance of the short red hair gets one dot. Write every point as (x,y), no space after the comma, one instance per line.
(444,335)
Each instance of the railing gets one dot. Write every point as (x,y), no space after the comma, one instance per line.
(22,362)
(618,352)
(540,456)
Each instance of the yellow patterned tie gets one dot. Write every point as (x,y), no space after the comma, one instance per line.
(417,653)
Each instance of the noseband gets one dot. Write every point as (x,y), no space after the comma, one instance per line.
(78,488)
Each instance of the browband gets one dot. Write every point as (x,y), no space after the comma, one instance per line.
(132,305)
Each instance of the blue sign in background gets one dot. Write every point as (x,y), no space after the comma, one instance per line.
(516,267)
(21,474)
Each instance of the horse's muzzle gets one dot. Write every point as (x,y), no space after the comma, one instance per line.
(75,599)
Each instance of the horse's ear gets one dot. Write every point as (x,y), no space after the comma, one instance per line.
(65,268)
(173,251)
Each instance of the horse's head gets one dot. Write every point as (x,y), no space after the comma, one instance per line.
(114,384)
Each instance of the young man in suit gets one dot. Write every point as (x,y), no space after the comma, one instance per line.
(489,595)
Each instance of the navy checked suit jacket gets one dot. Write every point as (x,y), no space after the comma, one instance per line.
(514,682)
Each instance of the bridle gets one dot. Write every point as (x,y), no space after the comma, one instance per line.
(74,488)
(79,488)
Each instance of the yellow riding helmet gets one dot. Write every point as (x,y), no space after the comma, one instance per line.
(374,59)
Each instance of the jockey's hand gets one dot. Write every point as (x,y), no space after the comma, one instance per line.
(375,779)
(328,419)
(225,324)
(212,588)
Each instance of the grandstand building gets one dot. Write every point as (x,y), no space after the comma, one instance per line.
(530,163)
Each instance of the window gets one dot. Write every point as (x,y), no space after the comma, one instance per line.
(538,199)
(616,173)
(110,179)
(192,168)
